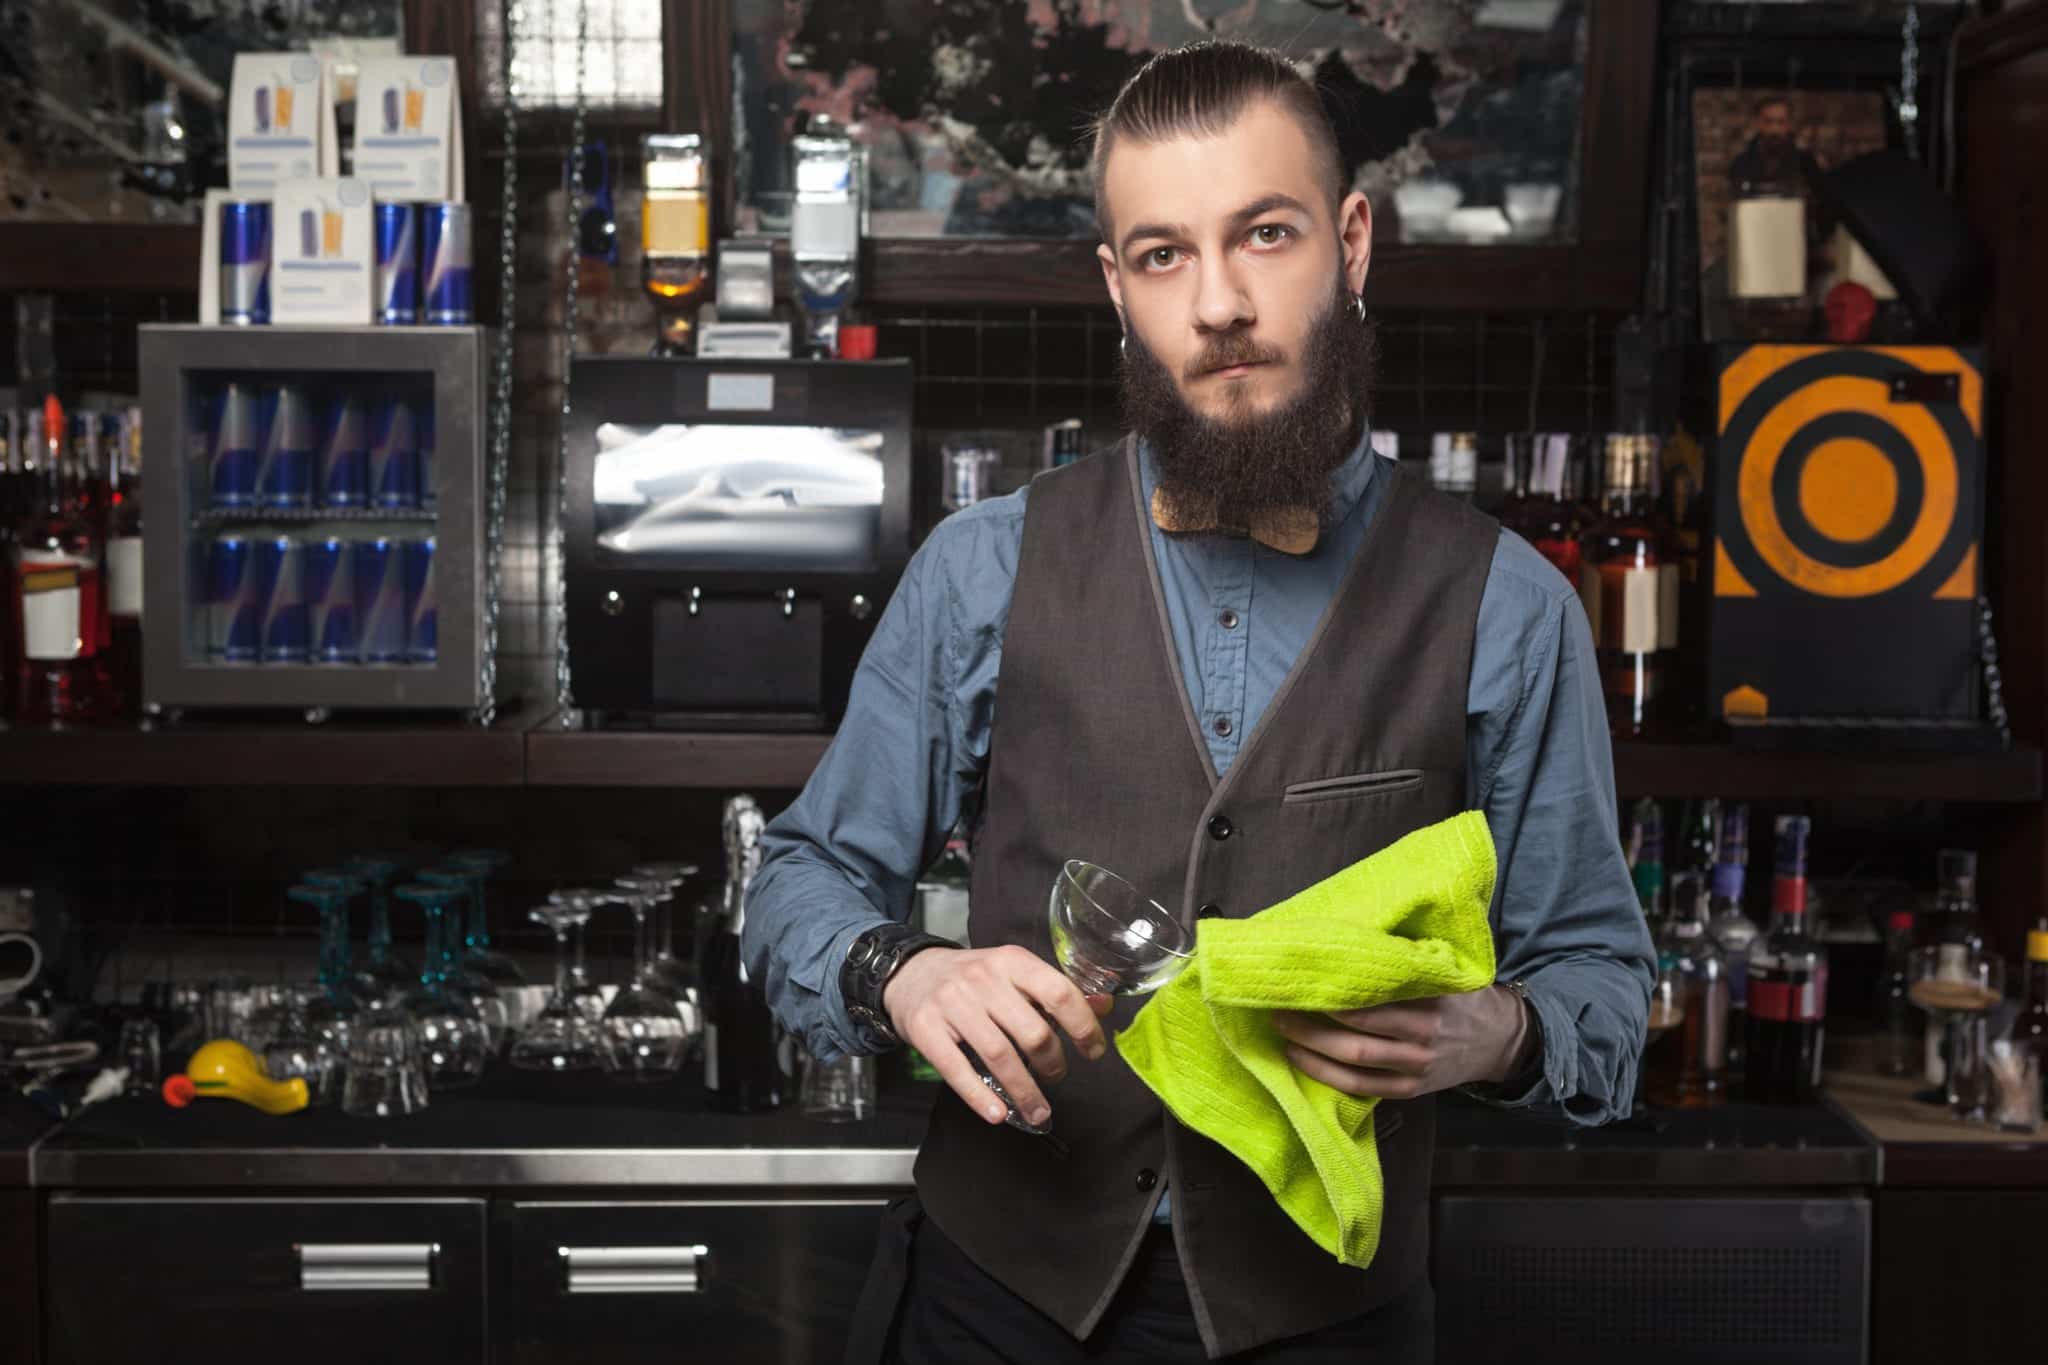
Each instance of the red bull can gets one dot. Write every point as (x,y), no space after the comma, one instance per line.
(284,471)
(327,578)
(280,599)
(424,424)
(233,635)
(238,427)
(244,261)
(394,454)
(398,264)
(445,265)
(344,453)
(422,601)
(380,600)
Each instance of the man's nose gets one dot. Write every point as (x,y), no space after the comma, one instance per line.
(1221,302)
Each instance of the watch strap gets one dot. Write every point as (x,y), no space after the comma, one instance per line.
(874,956)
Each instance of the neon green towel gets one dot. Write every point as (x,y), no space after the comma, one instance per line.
(1408,922)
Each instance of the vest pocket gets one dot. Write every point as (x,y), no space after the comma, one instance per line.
(1357,784)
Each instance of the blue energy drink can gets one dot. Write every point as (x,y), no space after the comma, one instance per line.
(284,470)
(380,600)
(344,452)
(280,599)
(244,261)
(398,264)
(394,454)
(444,265)
(238,438)
(232,633)
(327,578)
(424,425)
(422,601)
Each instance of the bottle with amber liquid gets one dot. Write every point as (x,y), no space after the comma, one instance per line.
(675,237)
(60,606)
(1688,1066)
(1788,984)
(1621,584)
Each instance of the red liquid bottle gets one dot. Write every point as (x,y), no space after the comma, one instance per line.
(123,456)
(1621,583)
(60,608)
(1788,985)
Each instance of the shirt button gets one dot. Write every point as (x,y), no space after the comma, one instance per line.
(1223,726)
(1147,1179)
(1228,620)
(1220,827)
(1210,911)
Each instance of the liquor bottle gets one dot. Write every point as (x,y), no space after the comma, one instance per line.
(743,1063)
(1688,1066)
(1955,927)
(1788,984)
(14,475)
(2031,1027)
(1620,583)
(1454,463)
(675,237)
(60,609)
(942,909)
(1539,512)
(1733,930)
(124,563)
(1646,859)
(1897,1048)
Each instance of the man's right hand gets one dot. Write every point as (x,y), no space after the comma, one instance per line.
(990,999)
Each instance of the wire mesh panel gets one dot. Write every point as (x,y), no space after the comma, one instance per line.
(622,62)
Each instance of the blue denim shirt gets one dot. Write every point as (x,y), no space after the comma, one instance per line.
(915,740)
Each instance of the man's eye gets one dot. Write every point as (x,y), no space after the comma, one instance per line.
(1160,257)
(1271,234)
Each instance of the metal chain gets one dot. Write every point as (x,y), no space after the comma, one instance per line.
(498,469)
(1994,679)
(1909,81)
(564,696)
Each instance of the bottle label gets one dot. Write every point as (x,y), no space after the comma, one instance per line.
(124,576)
(1790,1002)
(1638,632)
(59,601)
(710,1055)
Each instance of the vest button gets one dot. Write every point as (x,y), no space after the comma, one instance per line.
(1220,827)
(1147,1178)
(1210,911)
(1223,726)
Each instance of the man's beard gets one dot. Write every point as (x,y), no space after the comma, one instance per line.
(1249,463)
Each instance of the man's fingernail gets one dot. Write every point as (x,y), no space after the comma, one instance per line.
(1037,1114)
(995,1113)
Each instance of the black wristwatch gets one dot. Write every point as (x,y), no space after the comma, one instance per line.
(871,959)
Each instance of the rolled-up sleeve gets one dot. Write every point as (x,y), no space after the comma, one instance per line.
(1566,920)
(908,754)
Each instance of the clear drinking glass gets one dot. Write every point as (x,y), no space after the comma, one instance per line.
(1110,939)
(560,1038)
(296,1049)
(478,956)
(456,967)
(643,1028)
(670,972)
(386,968)
(229,1004)
(330,1012)
(386,1075)
(1958,984)
(142,1054)
(455,1042)
(841,1091)
(584,993)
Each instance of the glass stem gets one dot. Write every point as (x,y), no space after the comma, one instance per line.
(668,929)
(479,929)
(334,948)
(430,953)
(380,928)
(640,942)
(561,1000)
(579,971)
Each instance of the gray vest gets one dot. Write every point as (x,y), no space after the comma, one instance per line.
(1096,754)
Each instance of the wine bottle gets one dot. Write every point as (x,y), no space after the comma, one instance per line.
(744,1056)
(1788,985)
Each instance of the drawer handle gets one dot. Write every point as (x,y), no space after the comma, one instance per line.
(632,1270)
(367,1265)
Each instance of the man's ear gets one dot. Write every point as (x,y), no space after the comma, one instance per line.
(1354,236)
(1113,281)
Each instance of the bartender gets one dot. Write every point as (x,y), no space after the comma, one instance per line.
(1226,658)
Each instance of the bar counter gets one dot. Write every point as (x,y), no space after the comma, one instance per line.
(522,1130)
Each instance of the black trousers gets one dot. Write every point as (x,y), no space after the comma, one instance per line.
(953,1313)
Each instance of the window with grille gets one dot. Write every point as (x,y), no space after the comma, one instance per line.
(621,53)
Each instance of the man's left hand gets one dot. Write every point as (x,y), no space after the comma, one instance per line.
(1417,1047)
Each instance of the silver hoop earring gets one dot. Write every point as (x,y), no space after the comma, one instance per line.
(1358,307)
(1123,344)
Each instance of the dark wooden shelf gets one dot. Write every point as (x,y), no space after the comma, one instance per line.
(641,758)
(120,258)
(1687,770)
(256,754)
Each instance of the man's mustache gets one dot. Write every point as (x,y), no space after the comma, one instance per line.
(1232,348)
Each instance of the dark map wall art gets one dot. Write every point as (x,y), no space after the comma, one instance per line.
(1460,118)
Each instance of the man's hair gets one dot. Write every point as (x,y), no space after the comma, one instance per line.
(1200,90)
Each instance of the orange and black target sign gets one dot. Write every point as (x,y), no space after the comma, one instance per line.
(1847,515)
(1848,483)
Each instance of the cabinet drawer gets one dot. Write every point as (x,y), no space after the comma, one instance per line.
(769,1282)
(308,1280)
